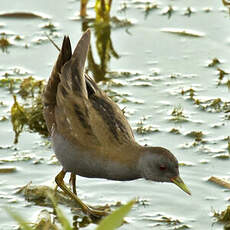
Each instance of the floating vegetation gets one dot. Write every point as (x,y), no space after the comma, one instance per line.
(214,105)
(223,217)
(186,164)
(7,170)
(49,26)
(221,74)
(170,222)
(197,135)
(18,118)
(121,23)
(29,87)
(214,62)
(143,129)
(4,42)
(45,196)
(38,195)
(183,32)
(30,115)
(149,7)
(113,83)
(3,118)
(117,97)
(169,10)
(188,11)
(190,92)
(222,156)
(142,84)
(122,74)
(175,131)
(18,38)
(22,15)
(9,83)
(30,111)
(221,182)
(178,114)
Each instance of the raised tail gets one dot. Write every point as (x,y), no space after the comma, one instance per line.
(49,96)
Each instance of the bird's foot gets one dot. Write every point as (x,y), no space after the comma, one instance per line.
(96,212)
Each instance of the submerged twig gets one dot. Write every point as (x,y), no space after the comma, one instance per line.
(55,45)
(220,182)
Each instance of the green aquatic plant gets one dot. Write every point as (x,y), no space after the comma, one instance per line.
(175,131)
(18,118)
(18,38)
(149,7)
(29,112)
(197,135)
(111,222)
(29,86)
(168,11)
(221,74)
(188,11)
(49,26)
(223,217)
(190,92)
(4,42)
(216,104)
(178,114)
(143,129)
(102,9)
(10,83)
(115,219)
(214,62)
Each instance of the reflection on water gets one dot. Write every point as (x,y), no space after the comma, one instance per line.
(104,48)
(194,73)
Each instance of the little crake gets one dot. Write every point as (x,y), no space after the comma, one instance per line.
(91,136)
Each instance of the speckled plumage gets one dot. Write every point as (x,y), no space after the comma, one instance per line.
(90,134)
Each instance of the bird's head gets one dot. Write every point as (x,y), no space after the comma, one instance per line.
(159,164)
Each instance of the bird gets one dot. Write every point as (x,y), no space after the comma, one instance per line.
(90,135)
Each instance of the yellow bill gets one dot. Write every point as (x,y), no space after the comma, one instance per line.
(180,183)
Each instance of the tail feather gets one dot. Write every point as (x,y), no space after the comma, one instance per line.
(73,72)
(49,96)
(51,88)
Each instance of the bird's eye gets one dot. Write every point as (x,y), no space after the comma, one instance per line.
(162,167)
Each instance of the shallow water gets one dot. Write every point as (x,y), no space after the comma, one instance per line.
(162,63)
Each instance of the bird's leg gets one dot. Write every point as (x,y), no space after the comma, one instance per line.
(72,180)
(87,210)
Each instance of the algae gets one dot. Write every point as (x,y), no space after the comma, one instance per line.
(144,129)
(214,62)
(175,131)
(30,111)
(197,135)
(223,217)
(4,42)
(178,114)
(169,10)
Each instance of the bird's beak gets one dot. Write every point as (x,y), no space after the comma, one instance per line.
(180,183)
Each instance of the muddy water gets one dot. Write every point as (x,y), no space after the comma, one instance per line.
(166,54)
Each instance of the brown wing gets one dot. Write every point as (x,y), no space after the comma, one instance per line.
(83,113)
